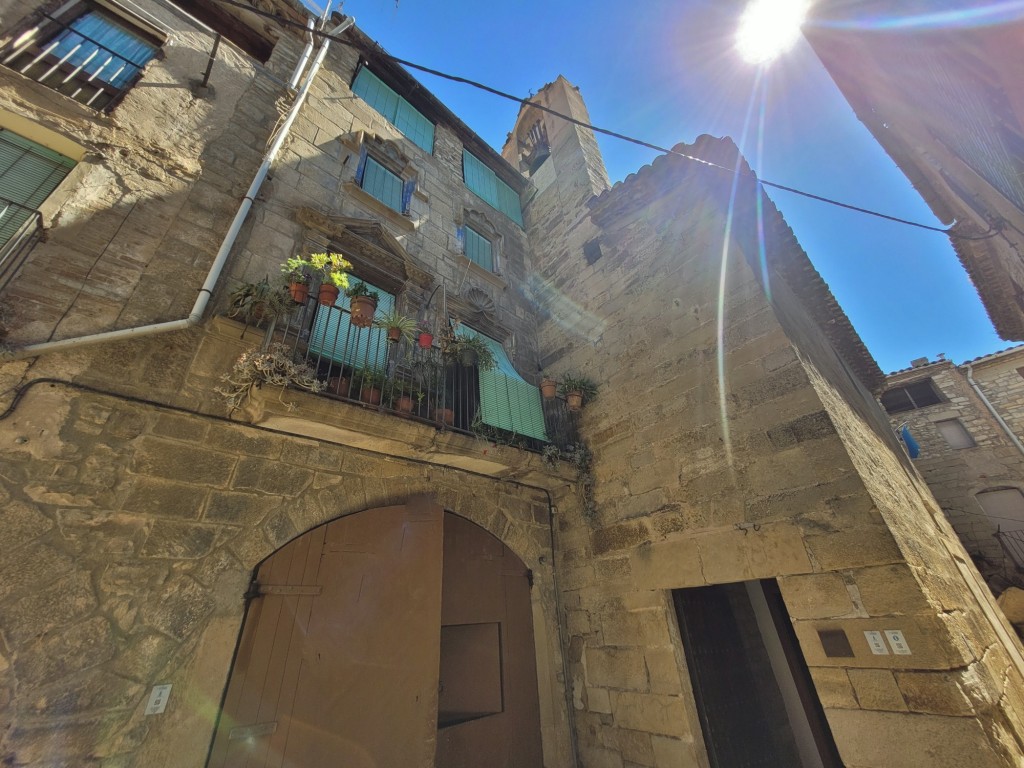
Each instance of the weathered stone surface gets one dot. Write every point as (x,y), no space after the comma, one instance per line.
(64,602)
(180,608)
(650,713)
(170,460)
(22,523)
(877,689)
(71,650)
(179,540)
(621,668)
(162,498)
(271,477)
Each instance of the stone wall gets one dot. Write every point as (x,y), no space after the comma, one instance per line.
(956,475)
(132,531)
(731,442)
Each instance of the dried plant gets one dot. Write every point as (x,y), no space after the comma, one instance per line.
(275,366)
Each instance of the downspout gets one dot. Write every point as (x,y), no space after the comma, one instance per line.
(293,83)
(991,409)
(196,315)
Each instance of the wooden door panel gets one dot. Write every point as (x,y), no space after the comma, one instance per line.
(339,665)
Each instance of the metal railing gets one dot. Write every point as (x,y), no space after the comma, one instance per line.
(405,379)
(20,229)
(97,81)
(1012,543)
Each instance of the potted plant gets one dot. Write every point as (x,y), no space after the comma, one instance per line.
(297,278)
(403,397)
(425,335)
(275,366)
(370,383)
(577,389)
(332,269)
(469,351)
(259,301)
(363,304)
(397,325)
(548,388)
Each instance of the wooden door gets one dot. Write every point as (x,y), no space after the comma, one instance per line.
(338,661)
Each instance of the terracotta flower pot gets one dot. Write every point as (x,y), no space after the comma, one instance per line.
(338,385)
(363,309)
(445,416)
(574,400)
(404,404)
(299,292)
(426,340)
(394,335)
(370,395)
(548,387)
(328,294)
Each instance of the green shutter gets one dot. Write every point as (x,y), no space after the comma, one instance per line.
(485,183)
(382,184)
(507,401)
(478,249)
(334,337)
(29,172)
(396,110)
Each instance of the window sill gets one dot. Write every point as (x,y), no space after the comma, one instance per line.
(475,269)
(371,202)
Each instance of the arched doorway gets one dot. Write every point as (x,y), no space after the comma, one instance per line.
(398,636)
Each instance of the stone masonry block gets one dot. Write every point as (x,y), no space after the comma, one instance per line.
(653,713)
(663,670)
(271,477)
(617,537)
(669,564)
(937,693)
(171,460)
(816,596)
(890,589)
(635,627)
(853,548)
(620,668)
(834,688)
(905,740)
(876,689)
(164,498)
(674,753)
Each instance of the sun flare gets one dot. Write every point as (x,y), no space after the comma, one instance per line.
(769,28)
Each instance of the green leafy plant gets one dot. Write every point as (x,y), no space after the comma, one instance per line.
(369,378)
(275,366)
(582,461)
(395,321)
(262,300)
(468,350)
(362,289)
(578,383)
(331,267)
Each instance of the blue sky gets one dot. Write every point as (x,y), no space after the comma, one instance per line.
(665,71)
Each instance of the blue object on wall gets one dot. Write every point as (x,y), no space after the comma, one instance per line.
(908,440)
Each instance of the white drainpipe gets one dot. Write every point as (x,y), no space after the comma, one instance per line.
(196,315)
(991,409)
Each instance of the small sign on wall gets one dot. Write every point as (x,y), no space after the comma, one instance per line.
(158,699)
(898,642)
(876,643)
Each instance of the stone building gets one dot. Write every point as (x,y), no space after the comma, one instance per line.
(945,101)
(966,420)
(724,554)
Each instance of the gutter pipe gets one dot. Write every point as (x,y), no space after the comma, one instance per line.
(293,83)
(196,315)
(991,409)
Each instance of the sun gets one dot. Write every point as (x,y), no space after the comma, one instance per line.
(768,28)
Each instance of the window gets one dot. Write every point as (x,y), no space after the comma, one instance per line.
(29,172)
(387,186)
(334,337)
(495,192)
(954,433)
(507,401)
(1005,506)
(399,112)
(93,58)
(911,396)
(478,249)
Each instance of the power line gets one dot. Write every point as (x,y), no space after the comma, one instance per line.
(605,131)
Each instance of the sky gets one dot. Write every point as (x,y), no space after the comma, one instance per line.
(667,71)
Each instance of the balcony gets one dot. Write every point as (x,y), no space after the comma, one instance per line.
(420,383)
(20,229)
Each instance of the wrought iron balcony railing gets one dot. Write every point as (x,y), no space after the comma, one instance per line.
(20,229)
(421,383)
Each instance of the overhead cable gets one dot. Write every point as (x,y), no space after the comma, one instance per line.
(380,52)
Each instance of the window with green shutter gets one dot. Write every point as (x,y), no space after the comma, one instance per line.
(334,337)
(496,193)
(479,250)
(29,172)
(507,401)
(396,110)
(382,184)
